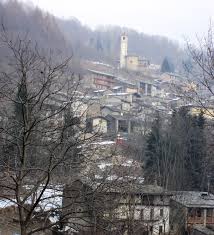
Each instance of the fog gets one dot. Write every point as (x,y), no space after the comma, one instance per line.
(176,19)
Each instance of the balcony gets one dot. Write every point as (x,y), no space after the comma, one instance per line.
(210,220)
(195,220)
(200,220)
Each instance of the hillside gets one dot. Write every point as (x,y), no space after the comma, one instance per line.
(105,42)
(70,36)
(42,28)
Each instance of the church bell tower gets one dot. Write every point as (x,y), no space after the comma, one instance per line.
(123,50)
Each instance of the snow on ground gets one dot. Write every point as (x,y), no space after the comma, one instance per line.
(51,198)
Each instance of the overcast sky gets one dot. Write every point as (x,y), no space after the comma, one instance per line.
(175,19)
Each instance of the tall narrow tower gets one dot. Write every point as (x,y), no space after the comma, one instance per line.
(123,50)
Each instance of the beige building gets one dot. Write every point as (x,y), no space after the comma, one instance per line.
(132,62)
(128,61)
(143,207)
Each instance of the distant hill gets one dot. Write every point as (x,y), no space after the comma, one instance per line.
(41,27)
(104,42)
(70,36)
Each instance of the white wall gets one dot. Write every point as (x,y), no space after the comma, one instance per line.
(156,222)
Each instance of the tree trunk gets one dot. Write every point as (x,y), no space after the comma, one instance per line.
(23,229)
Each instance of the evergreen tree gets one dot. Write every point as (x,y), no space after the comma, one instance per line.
(17,131)
(167,66)
(198,152)
(187,135)
(99,46)
(74,155)
(153,145)
(21,103)
(176,156)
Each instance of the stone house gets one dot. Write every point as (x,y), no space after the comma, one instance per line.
(97,124)
(121,206)
(124,124)
(190,208)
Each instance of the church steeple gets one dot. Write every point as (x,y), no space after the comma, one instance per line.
(123,50)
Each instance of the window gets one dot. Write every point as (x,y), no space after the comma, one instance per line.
(148,200)
(161,212)
(149,89)
(191,212)
(198,212)
(122,126)
(152,214)
(160,229)
(142,86)
(141,214)
(209,212)
(151,199)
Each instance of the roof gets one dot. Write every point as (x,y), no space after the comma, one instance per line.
(116,87)
(112,108)
(136,188)
(118,117)
(97,117)
(149,82)
(124,117)
(132,55)
(107,142)
(101,63)
(101,73)
(132,185)
(125,81)
(119,94)
(203,229)
(194,199)
(97,91)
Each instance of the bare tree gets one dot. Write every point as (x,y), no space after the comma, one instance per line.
(41,133)
(200,71)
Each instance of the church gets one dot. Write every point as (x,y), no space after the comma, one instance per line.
(130,61)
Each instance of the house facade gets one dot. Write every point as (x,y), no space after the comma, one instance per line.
(123,207)
(101,80)
(190,208)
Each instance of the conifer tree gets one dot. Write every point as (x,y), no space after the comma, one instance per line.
(167,66)
(153,146)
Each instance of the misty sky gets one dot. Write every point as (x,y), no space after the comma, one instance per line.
(176,19)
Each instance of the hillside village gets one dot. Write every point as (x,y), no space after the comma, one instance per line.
(125,98)
(121,148)
(119,104)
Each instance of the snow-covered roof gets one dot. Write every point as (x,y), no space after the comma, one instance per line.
(119,94)
(116,87)
(107,142)
(101,73)
(97,91)
(194,199)
(101,63)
